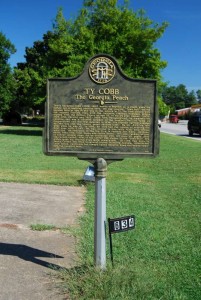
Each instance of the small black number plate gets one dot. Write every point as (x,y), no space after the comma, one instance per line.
(121,224)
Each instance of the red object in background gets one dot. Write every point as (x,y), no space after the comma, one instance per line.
(174,119)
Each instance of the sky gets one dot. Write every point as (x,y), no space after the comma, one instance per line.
(25,21)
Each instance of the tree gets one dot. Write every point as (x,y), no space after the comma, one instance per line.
(198,93)
(190,99)
(128,36)
(100,27)
(7,83)
(178,97)
(162,107)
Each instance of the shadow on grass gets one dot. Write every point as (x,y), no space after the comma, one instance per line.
(190,137)
(82,182)
(23,130)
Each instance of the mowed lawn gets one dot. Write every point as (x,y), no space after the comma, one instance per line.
(161,258)
(22,159)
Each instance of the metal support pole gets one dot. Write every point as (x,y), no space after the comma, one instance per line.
(100,213)
(111,248)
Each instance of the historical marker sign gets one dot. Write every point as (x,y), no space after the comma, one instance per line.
(101,113)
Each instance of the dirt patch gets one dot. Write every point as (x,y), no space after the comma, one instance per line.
(10,226)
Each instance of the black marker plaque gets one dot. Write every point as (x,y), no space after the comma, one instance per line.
(101,113)
(121,224)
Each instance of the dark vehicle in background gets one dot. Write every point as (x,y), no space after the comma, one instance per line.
(194,124)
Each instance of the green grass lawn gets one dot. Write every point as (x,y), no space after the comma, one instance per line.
(22,159)
(161,258)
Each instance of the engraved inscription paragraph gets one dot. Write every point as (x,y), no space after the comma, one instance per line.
(81,126)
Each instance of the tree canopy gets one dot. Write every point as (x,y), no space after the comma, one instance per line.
(198,92)
(7,84)
(178,97)
(102,26)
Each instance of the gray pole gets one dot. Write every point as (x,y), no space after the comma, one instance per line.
(100,213)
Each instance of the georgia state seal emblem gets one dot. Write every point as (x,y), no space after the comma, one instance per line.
(102,70)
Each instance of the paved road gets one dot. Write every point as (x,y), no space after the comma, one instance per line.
(26,256)
(179,129)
